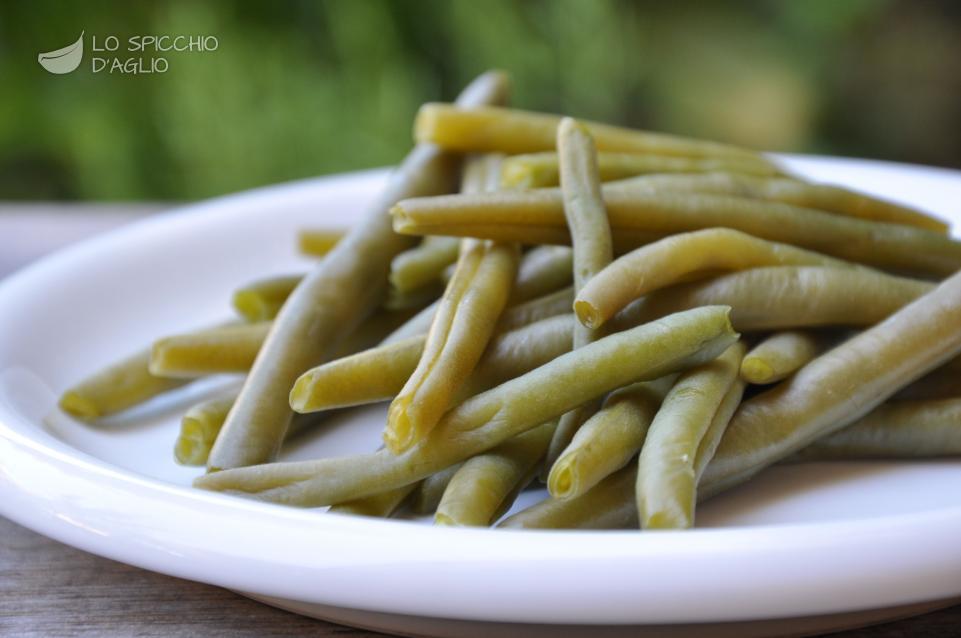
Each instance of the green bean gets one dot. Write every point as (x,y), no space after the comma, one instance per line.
(380,505)
(374,375)
(899,430)
(424,264)
(221,350)
(120,386)
(592,245)
(666,477)
(483,483)
(542,270)
(715,431)
(780,355)
(638,217)
(685,257)
(427,496)
(201,424)
(541,170)
(380,373)
(462,327)
(550,305)
(608,440)
(317,242)
(346,286)
(647,352)
(261,300)
(512,131)
(782,297)
(832,199)
(842,384)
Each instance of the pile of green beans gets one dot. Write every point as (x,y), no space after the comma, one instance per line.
(640,320)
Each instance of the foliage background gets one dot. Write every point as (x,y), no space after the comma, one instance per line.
(303,88)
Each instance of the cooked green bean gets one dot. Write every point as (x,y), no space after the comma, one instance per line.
(346,286)
(592,245)
(898,430)
(715,431)
(541,170)
(224,349)
(202,422)
(780,355)
(782,297)
(638,217)
(318,242)
(608,440)
(679,258)
(542,270)
(512,131)
(380,373)
(842,384)
(483,483)
(666,477)
(380,505)
(431,490)
(119,386)
(261,300)
(551,305)
(832,199)
(647,352)
(424,264)
(374,375)
(462,327)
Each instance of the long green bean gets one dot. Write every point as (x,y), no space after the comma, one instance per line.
(592,245)
(666,476)
(512,131)
(380,505)
(261,300)
(679,258)
(780,355)
(541,170)
(783,297)
(647,352)
(317,242)
(832,199)
(346,286)
(638,217)
(480,487)
(424,264)
(221,350)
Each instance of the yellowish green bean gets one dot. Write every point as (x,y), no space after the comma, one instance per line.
(781,355)
(261,300)
(542,270)
(424,264)
(317,242)
(221,350)
(380,505)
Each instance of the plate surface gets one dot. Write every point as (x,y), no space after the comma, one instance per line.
(802,540)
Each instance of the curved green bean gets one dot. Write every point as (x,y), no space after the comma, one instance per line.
(479,489)
(647,352)
(608,440)
(680,258)
(666,476)
(782,297)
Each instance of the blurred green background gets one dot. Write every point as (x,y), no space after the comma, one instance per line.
(303,88)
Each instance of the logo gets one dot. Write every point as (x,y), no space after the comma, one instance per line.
(63,60)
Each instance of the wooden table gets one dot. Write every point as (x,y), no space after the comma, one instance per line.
(50,589)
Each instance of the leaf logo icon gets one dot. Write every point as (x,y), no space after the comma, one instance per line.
(63,60)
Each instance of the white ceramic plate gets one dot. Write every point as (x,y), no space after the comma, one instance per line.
(812,540)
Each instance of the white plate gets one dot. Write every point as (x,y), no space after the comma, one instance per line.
(801,541)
